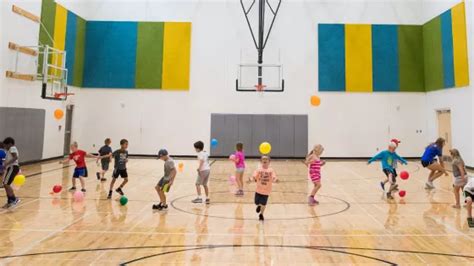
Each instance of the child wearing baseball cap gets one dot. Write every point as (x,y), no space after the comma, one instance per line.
(166,181)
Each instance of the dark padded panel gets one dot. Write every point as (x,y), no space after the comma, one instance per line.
(26,126)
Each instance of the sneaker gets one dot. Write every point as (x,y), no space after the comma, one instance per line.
(470,222)
(389,196)
(260,217)
(103,179)
(311,201)
(382,184)
(83,190)
(72,189)
(208,201)
(164,206)
(98,175)
(315,201)
(110,195)
(429,185)
(239,193)
(15,203)
(6,206)
(119,190)
(197,200)
(259,208)
(395,189)
(157,206)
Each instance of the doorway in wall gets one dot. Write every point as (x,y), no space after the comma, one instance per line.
(68,128)
(444,130)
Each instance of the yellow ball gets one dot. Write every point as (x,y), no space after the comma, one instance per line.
(265,148)
(19,180)
(315,100)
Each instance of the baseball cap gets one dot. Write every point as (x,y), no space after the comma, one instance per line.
(162,153)
(396,141)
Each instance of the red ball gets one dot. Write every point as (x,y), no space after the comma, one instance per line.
(404,175)
(57,188)
(402,193)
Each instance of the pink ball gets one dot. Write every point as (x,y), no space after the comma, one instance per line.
(232,179)
(78,196)
(232,157)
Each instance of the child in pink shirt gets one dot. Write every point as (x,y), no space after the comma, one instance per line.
(314,163)
(239,168)
(264,176)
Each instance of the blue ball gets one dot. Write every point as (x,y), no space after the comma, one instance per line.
(214,143)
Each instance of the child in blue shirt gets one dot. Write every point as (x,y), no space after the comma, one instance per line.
(387,159)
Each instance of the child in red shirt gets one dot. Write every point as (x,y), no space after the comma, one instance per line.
(79,157)
(264,176)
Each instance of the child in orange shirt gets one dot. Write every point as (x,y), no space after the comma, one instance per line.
(264,176)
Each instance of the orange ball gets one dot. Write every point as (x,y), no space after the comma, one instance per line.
(58,114)
(315,100)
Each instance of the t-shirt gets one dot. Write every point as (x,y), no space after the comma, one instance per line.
(431,152)
(105,150)
(456,164)
(9,156)
(387,159)
(265,178)
(204,156)
(3,155)
(79,157)
(169,166)
(239,159)
(469,187)
(120,159)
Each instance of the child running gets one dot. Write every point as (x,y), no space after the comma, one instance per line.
(387,158)
(314,162)
(203,171)
(428,160)
(166,181)
(469,195)
(460,176)
(12,168)
(104,162)
(3,155)
(80,172)
(264,176)
(239,168)
(120,167)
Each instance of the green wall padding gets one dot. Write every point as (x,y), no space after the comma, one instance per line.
(149,64)
(48,16)
(79,52)
(410,50)
(433,55)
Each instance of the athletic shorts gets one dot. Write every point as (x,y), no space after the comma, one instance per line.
(426,164)
(122,173)
(10,173)
(105,164)
(240,169)
(468,195)
(393,172)
(458,182)
(261,199)
(163,181)
(80,172)
(203,178)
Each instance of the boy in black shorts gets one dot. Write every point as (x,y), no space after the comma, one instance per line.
(166,181)
(104,150)
(120,168)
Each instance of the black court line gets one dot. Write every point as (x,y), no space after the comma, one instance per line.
(347,207)
(429,253)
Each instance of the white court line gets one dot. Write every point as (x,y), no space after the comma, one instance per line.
(235,234)
(53,232)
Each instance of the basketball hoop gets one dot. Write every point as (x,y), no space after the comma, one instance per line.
(62,95)
(260,87)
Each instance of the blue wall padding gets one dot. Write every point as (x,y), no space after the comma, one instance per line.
(331,47)
(71,32)
(110,54)
(447,44)
(385,58)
